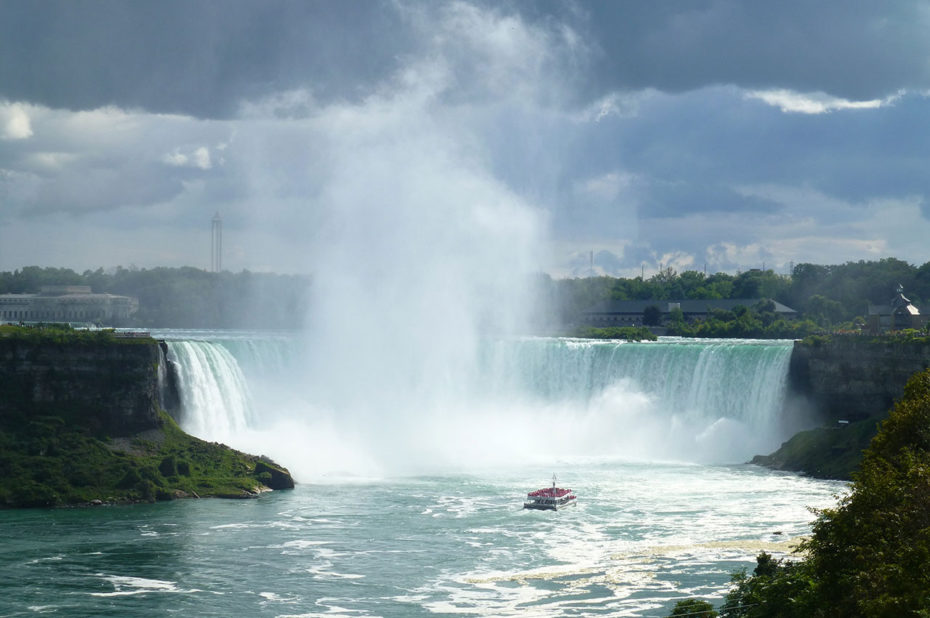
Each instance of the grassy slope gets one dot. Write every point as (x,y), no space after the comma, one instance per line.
(47,461)
(825,452)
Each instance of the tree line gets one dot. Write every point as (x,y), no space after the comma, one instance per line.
(184,297)
(832,296)
(826,297)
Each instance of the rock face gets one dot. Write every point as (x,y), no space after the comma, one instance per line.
(113,387)
(854,378)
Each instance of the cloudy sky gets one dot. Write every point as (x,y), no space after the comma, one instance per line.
(717,134)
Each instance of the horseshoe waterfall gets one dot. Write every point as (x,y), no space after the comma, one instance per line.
(523,400)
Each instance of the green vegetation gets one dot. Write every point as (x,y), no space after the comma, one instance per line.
(825,452)
(630,333)
(49,461)
(184,297)
(693,608)
(870,555)
(908,336)
(826,297)
(757,322)
(64,334)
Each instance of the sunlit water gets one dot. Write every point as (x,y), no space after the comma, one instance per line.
(641,537)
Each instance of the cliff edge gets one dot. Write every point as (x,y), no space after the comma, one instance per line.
(81,423)
(851,383)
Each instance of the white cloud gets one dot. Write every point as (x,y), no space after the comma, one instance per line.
(15,123)
(192,157)
(790,101)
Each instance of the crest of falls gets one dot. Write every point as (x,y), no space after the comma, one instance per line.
(527,400)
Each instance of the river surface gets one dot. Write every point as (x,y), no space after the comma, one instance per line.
(412,469)
(641,537)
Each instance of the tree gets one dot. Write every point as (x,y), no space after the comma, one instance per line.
(694,608)
(869,556)
(652,316)
(824,311)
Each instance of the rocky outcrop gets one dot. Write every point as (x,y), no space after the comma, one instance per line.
(851,383)
(854,378)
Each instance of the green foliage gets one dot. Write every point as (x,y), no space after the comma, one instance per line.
(745,323)
(833,296)
(81,467)
(652,315)
(63,334)
(781,588)
(824,452)
(630,333)
(693,608)
(168,466)
(870,555)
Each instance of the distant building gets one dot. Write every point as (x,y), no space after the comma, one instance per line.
(630,312)
(898,314)
(67,303)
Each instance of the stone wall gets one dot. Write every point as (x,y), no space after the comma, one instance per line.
(113,387)
(854,378)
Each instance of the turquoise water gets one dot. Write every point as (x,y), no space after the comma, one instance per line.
(412,477)
(514,402)
(641,537)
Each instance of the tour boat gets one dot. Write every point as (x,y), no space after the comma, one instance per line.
(550,498)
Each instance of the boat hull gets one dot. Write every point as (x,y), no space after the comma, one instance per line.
(536,506)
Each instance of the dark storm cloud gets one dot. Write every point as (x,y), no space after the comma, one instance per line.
(856,49)
(673,132)
(688,153)
(199,58)
(204,58)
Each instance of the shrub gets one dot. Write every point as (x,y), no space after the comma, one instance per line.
(694,608)
(130,479)
(168,466)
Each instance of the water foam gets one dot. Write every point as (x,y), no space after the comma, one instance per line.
(524,400)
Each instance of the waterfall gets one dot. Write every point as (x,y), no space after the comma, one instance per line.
(736,379)
(215,396)
(531,398)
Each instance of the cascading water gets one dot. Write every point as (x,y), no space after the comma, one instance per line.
(215,396)
(527,400)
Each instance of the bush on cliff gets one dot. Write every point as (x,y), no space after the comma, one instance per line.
(870,555)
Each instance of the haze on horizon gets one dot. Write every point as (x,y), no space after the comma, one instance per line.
(692,134)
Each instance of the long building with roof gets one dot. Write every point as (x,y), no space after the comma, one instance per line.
(630,312)
(67,303)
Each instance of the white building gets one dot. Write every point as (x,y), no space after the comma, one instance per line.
(67,303)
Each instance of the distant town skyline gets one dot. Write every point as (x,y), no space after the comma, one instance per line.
(653,134)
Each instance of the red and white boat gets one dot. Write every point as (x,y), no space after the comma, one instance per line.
(550,498)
